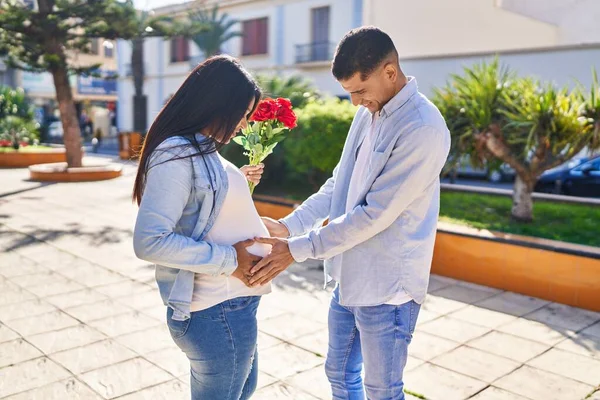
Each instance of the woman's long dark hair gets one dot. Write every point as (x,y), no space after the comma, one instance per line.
(214,98)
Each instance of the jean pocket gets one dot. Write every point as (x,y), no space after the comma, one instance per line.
(178,329)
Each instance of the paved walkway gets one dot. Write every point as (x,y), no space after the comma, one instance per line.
(80,318)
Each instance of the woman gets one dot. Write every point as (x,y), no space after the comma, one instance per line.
(196,221)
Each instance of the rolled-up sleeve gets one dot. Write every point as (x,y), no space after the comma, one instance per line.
(167,190)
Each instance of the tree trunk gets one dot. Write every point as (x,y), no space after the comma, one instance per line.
(522,209)
(139,100)
(68,117)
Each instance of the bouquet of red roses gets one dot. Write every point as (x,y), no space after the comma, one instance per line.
(268,123)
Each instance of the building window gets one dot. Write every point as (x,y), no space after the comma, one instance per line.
(255,39)
(95,46)
(109,49)
(180,49)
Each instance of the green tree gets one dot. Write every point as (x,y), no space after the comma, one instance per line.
(496,117)
(219,29)
(42,39)
(16,117)
(299,90)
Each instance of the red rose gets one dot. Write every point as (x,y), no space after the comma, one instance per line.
(284,102)
(287,117)
(265,111)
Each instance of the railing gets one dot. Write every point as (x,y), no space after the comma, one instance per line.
(312,52)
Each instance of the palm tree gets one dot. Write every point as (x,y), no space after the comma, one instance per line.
(299,90)
(218,30)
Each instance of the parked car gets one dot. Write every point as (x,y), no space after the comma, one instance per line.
(578,177)
(493,174)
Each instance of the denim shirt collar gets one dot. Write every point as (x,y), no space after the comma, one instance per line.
(401,97)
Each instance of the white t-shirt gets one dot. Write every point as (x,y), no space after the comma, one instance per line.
(357,182)
(238,220)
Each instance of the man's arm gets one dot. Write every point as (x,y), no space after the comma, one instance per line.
(413,166)
(314,211)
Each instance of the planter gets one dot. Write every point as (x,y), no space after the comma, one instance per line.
(25,159)
(552,270)
(58,172)
(556,271)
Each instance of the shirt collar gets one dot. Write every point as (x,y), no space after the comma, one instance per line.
(401,97)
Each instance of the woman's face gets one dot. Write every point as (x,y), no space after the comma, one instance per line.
(243,124)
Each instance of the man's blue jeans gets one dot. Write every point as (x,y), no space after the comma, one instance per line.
(377,336)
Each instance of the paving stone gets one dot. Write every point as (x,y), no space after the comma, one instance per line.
(142,300)
(281,390)
(148,340)
(265,341)
(93,356)
(30,375)
(441,305)
(577,367)
(15,295)
(315,342)
(7,334)
(17,351)
(512,304)
(509,346)
(64,339)
(437,282)
(593,330)
(40,278)
(437,383)
(91,275)
(313,381)
(172,360)
(536,331)
(536,384)
(483,317)
(476,364)
(121,289)
(15,266)
(124,378)
(74,299)
(580,343)
(158,313)
(493,393)
(59,287)
(171,390)
(264,380)
(124,323)
(284,360)
(466,294)
(290,326)
(70,389)
(426,347)
(426,316)
(564,316)
(454,329)
(51,321)
(98,310)
(29,308)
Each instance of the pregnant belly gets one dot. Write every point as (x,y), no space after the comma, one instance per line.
(229,231)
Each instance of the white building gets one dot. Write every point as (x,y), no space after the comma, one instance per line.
(555,40)
(280,37)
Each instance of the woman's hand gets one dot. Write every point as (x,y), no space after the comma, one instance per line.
(253,173)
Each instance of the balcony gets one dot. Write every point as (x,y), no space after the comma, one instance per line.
(314,52)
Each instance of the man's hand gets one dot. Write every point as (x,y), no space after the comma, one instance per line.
(278,260)
(253,173)
(245,261)
(276,229)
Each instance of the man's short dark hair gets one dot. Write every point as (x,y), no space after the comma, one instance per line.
(361,50)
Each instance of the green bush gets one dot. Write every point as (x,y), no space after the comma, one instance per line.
(16,118)
(299,90)
(313,149)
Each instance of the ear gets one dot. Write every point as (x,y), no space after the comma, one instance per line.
(391,72)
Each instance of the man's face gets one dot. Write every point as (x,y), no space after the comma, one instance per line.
(375,91)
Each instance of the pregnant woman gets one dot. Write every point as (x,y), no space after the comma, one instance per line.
(196,222)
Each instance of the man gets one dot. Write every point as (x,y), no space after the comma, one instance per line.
(382,203)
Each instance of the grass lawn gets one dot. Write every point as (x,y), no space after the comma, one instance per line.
(558,221)
(25,149)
